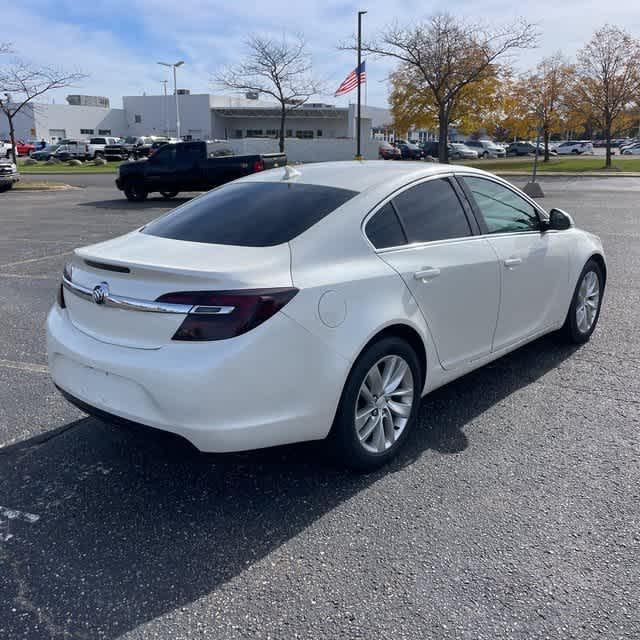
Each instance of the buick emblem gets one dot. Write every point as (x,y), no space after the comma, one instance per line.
(100,293)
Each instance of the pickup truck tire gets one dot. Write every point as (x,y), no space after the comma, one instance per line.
(167,195)
(135,193)
(6,187)
(98,154)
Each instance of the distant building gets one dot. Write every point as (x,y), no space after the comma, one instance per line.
(202,117)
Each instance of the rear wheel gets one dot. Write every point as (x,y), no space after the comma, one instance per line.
(136,193)
(169,194)
(378,407)
(585,306)
(485,155)
(6,187)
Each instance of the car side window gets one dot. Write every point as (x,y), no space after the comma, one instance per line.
(503,210)
(384,229)
(166,155)
(432,211)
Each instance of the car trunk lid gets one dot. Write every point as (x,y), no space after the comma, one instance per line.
(144,267)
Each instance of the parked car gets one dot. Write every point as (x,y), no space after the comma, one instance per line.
(204,322)
(486,148)
(97,146)
(410,151)
(521,149)
(8,174)
(189,166)
(46,153)
(5,148)
(429,149)
(627,144)
(631,150)
(540,147)
(24,148)
(460,151)
(387,151)
(575,147)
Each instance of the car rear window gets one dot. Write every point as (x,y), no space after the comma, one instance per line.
(250,214)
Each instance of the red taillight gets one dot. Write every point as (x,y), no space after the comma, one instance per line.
(258,165)
(218,315)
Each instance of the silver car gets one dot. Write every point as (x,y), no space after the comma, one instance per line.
(487,148)
(459,151)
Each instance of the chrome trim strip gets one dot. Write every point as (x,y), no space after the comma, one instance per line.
(149,306)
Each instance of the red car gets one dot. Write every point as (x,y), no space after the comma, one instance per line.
(387,151)
(24,148)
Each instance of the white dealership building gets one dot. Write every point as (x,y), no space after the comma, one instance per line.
(202,116)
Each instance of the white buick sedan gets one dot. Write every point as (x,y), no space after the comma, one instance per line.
(316,303)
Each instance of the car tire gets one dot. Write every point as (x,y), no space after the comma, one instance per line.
(5,187)
(586,303)
(167,195)
(364,452)
(135,193)
(485,155)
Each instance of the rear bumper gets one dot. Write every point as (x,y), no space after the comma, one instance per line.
(256,390)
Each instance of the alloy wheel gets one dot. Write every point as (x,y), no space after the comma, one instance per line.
(384,403)
(588,301)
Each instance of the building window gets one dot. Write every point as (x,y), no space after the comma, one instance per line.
(104,132)
(137,118)
(86,132)
(237,133)
(254,133)
(273,133)
(304,134)
(319,133)
(289,133)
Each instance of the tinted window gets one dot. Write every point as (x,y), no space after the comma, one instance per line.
(384,230)
(165,155)
(502,209)
(432,211)
(250,214)
(189,154)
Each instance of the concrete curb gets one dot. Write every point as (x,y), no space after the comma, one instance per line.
(25,186)
(543,175)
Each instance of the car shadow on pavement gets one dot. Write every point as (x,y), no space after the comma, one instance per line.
(149,203)
(118,526)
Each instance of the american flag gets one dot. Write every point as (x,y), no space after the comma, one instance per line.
(357,76)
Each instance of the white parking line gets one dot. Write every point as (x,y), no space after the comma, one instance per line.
(19,262)
(13,514)
(27,276)
(24,366)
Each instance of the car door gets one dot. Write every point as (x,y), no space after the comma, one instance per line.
(534,265)
(452,273)
(160,169)
(189,160)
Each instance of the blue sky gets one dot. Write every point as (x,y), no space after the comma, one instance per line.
(118,42)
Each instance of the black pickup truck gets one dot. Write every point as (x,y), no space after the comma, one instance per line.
(189,166)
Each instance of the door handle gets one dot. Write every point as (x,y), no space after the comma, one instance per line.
(426,274)
(512,262)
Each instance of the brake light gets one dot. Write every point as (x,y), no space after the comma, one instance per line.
(218,315)
(258,165)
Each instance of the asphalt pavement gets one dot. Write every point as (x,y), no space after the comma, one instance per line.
(513,512)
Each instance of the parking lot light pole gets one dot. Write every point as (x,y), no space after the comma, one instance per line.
(175,65)
(358,153)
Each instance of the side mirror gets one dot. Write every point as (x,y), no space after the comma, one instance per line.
(559,220)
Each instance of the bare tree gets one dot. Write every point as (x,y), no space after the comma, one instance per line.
(447,55)
(20,83)
(277,68)
(607,82)
(544,91)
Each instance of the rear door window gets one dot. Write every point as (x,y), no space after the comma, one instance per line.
(432,211)
(250,214)
(384,229)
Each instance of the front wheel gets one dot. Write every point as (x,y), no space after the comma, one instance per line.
(485,155)
(135,193)
(584,311)
(167,195)
(378,407)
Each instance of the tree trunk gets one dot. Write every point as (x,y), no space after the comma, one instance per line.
(283,115)
(443,135)
(546,145)
(12,136)
(607,136)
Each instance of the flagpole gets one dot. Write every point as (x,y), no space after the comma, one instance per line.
(360,14)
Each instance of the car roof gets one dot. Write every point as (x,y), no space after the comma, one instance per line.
(359,175)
